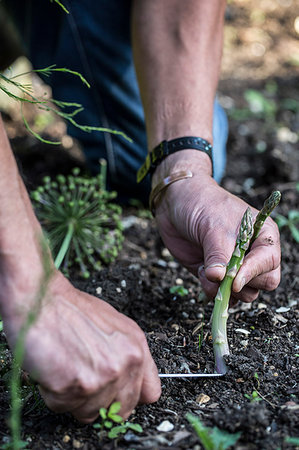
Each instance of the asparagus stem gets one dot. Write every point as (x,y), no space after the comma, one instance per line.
(270,203)
(220,311)
(246,236)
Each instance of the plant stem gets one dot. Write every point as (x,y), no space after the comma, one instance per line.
(270,203)
(65,245)
(246,236)
(220,311)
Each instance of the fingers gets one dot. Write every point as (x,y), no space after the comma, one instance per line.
(261,267)
(151,385)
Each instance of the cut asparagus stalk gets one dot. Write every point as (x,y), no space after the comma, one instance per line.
(247,234)
(220,311)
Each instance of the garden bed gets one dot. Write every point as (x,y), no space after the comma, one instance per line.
(263,336)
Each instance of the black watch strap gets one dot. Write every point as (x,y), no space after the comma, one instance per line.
(166,148)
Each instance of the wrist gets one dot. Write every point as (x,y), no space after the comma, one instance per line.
(189,159)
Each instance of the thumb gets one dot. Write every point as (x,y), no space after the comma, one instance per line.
(215,271)
(216,259)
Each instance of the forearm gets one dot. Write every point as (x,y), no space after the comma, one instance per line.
(177,49)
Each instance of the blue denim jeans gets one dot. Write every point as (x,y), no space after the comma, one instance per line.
(94,39)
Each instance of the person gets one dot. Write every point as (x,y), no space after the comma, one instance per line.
(82,352)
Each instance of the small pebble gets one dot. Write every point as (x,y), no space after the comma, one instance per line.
(173,264)
(165,426)
(165,253)
(123,283)
(282,309)
(66,438)
(179,281)
(76,443)
(99,290)
(203,398)
(118,290)
(161,263)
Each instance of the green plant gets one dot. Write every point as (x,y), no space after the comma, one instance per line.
(292,440)
(253,397)
(247,234)
(178,290)
(290,222)
(260,105)
(212,438)
(82,223)
(66,110)
(113,423)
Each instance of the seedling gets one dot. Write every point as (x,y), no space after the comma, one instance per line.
(112,422)
(253,397)
(179,290)
(82,223)
(290,222)
(247,234)
(212,438)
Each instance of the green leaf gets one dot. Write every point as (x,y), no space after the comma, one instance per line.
(179,290)
(103,413)
(116,431)
(97,426)
(114,408)
(292,440)
(134,427)
(281,221)
(108,424)
(202,432)
(295,232)
(294,215)
(1,325)
(223,439)
(116,418)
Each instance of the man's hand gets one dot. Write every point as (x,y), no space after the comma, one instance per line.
(85,355)
(198,222)
(82,352)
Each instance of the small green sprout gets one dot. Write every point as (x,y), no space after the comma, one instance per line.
(81,221)
(292,440)
(112,422)
(212,438)
(290,222)
(253,397)
(179,290)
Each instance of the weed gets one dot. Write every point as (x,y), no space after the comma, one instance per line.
(253,397)
(179,290)
(82,223)
(292,440)
(290,222)
(113,423)
(212,438)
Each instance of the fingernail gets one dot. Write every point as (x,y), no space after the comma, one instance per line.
(216,265)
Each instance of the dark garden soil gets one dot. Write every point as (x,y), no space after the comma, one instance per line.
(263,336)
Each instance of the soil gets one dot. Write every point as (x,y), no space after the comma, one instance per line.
(263,336)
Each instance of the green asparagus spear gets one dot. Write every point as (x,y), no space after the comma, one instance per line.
(220,311)
(247,234)
(270,203)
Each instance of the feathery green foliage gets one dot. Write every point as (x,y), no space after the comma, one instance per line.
(81,221)
(66,110)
